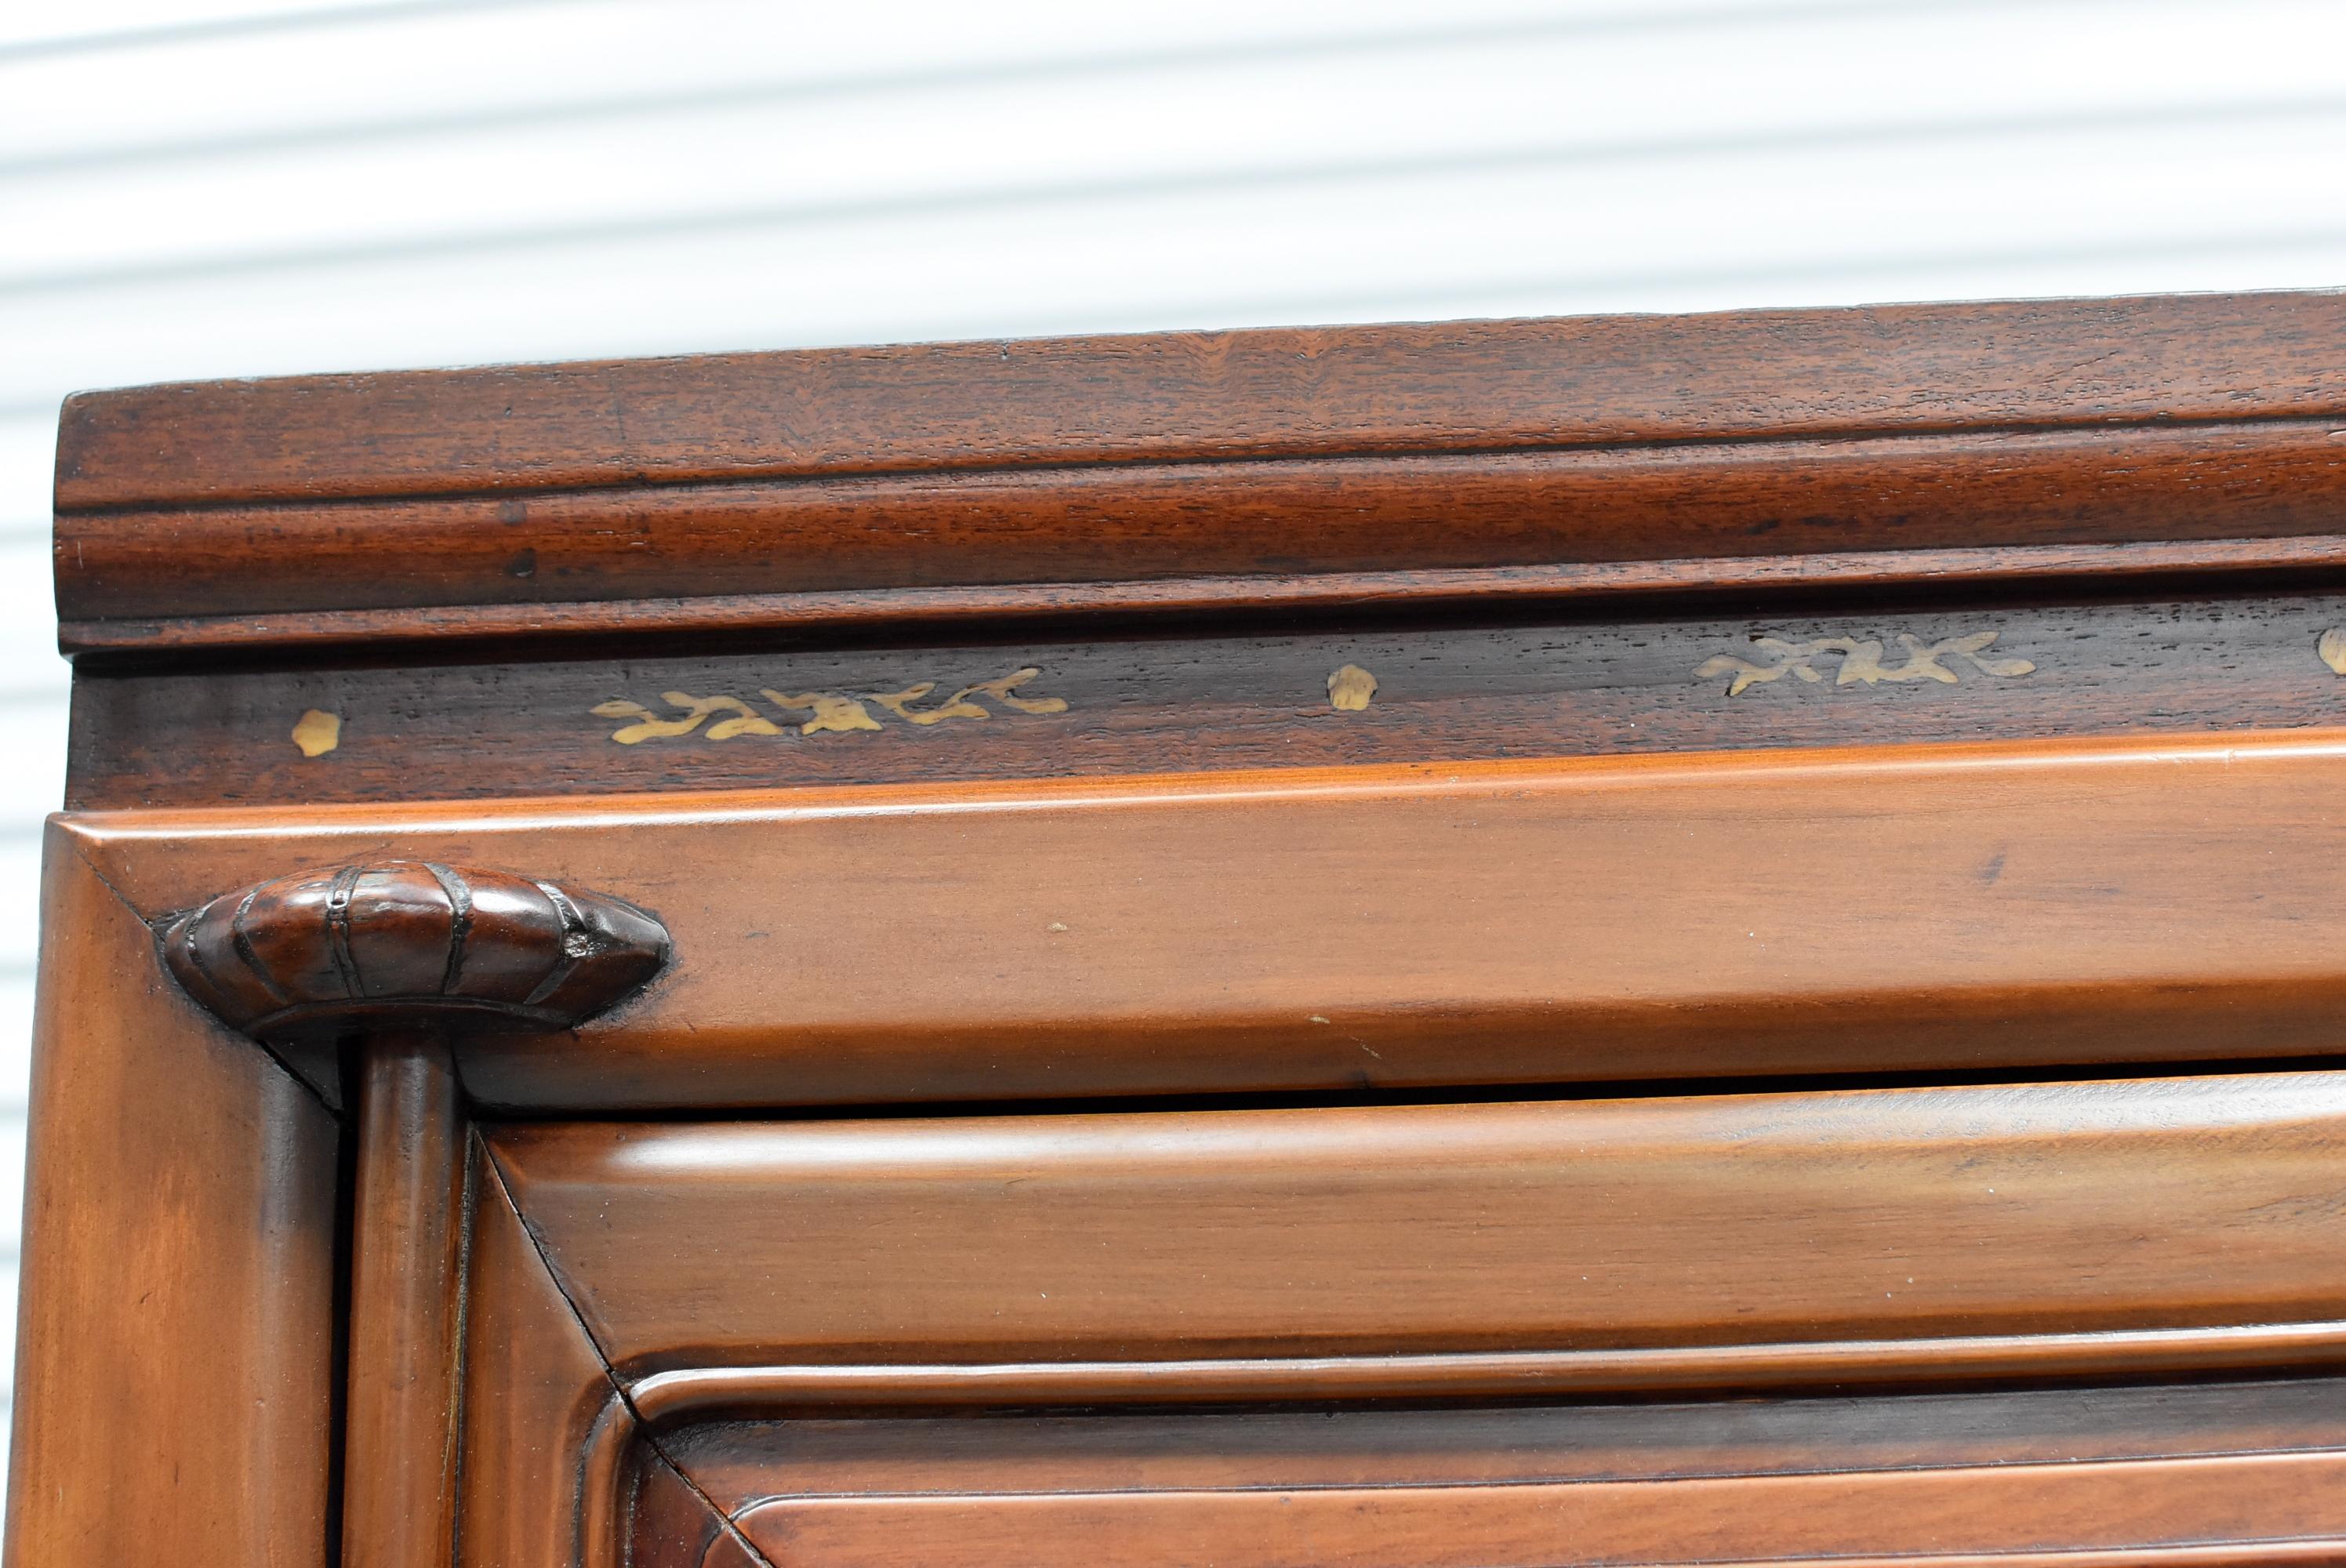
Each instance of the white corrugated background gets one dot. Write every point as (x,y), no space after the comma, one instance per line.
(253,186)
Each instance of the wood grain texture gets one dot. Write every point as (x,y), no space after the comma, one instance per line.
(175,1364)
(2241,1503)
(1190,395)
(1198,701)
(670,1523)
(1908,908)
(1069,476)
(543,1424)
(1946,689)
(411,1210)
(811,1487)
(2157,567)
(739,1464)
(1768,502)
(1743,1220)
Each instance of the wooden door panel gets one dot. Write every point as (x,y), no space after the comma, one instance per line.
(1572,1228)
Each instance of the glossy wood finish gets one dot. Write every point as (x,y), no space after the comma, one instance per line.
(1735,1221)
(1926,1517)
(1164,703)
(544,1427)
(175,1360)
(1837,910)
(2155,567)
(626,490)
(1460,385)
(389,959)
(407,945)
(1739,747)
(2079,1465)
(669,1520)
(703,1393)
(740,1465)
(411,1210)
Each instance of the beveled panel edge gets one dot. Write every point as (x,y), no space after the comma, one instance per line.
(677,1395)
(362,821)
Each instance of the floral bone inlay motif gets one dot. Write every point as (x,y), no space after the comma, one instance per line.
(2332,649)
(1861,661)
(832,712)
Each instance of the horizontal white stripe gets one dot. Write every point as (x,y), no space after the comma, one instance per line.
(30,665)
(16,1047)
(1724,227)
(20,884)
(12,1184)
(9,1276)
(1569,100)
(99,25)
(29,446)
(32,762)
(476,61)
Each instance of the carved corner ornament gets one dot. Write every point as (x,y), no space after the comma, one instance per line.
(394,943)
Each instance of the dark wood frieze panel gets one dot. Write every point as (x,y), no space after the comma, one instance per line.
(1165,704)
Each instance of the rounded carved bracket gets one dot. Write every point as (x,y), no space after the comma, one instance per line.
(410,942)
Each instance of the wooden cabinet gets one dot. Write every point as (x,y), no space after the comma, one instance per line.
(1630,942)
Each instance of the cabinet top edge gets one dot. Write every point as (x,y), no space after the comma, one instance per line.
(1232,473)
(1466,385)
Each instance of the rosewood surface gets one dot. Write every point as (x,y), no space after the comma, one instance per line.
(1750,1221)
(176,1346)
(1632,941)
(1010,1249)
(631,492)
(1800,1469)
(411,1206)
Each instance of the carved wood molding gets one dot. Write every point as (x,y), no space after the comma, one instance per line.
(391,941)
(392,957)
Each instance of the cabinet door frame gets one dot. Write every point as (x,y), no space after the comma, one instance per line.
(164,1175)
(178,1355)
